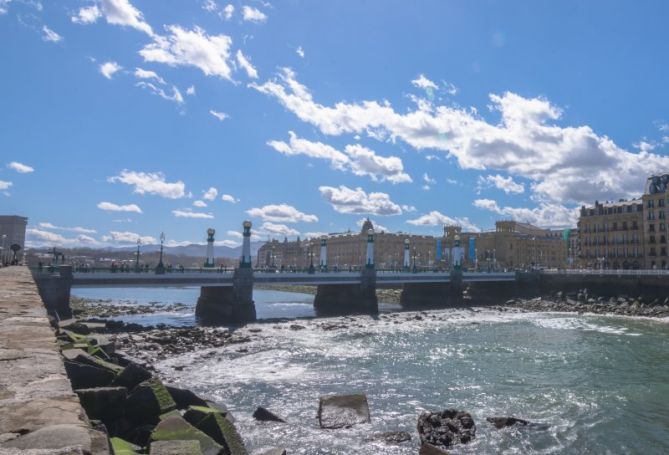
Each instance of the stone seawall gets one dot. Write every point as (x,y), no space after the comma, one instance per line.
(38,409)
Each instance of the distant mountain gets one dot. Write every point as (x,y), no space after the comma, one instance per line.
(194,250)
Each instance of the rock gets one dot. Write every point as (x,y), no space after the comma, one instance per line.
(264,415)
(185,398)
(297,327)
(446,428)
(53,437)
(78,355)
(122,447)
(190,447)
(103,403)
(131,376)
(503,422)
(429,449)
(84,376)
(392,437)
(339,411)
(177,429)
(148,401)
(103,343)
(273,451)
(216,424)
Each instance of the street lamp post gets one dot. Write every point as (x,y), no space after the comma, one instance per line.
(312,270)
(139,242)
(4,253)
(160,268)
(414,260)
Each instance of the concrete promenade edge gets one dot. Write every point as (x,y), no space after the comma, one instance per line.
(39,412)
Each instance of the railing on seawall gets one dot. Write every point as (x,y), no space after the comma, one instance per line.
(606,272)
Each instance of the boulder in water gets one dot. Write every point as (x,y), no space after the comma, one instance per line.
(503,422)
(446,428)
(341,411)
(264,415)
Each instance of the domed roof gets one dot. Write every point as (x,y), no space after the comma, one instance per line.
(366,226)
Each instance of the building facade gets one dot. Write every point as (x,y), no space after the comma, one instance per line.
(12,231)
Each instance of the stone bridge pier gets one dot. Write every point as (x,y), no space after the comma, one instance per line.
(54,289)
(417,295)
(337,299)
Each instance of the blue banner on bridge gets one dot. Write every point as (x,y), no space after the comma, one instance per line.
(472,249)
(438,249)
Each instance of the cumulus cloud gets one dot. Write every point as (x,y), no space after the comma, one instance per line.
(346,200)
(546,215)
(210,194)
(436,218)
(199,203)
(188,213)
(228,11)
(175,96)
(565,164)
(505,184)
(87,15)
(219,115)
(229,198)
(110,206)
(124,237)
(252,14)
(314,234)
(423,82)
(281,213)
(355,158)
(190,90)
(50,35)
(4,185)
(268,228)
(209,5)
(182,47)
(123,13)
(245,64)
(146,74)
(108,69)
(150,183)
(77,229)
(38,238)
(20,167)
(300,51)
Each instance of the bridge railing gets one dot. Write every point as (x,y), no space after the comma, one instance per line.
(607,272)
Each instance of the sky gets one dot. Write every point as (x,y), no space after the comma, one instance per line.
(122,119)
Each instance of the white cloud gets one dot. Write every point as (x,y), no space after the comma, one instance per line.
(300,51)
(199,203)
(429,180)
(359,160)
(229,198)
(505,184)
(314,235)
(78,229)
(128,237)
(20,167)
(175,96)
(546,215)
(188,213)
(252,14)
(565,164)
(50,35)
(210,194)
(123,13)
(150,183)
(110,206)
(146,74)
(377,227)
(228,243)
(423,82)
(246,65)
(87,15)
(38,238)
(183,47)
(108,69)
(190,90)
(5,185)
(347,200)
(235,234)
(282,213)
(219,115)
(436,218)
(209,5)
(228,11)
(268,228)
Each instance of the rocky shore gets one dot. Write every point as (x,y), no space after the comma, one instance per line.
(383,295)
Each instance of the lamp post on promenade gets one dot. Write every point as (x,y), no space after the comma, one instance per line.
(139,242)
(160,268)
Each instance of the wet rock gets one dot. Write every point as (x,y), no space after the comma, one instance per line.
(103,403)
(503,422)
(177,429)
(78,355)
(122,447)
(273,451)
(190,447)
(148,401)
(215,424)
(297,327)
(429,449)
(340,411)
(263,415)
(131,376)
(185,398)
(446,428)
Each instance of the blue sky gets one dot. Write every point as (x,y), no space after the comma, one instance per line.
(119,116)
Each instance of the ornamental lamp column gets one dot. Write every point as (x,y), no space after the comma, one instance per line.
(407,259)
(324,254)
(245,262)
(209,261)
(160,268)
(369,262)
